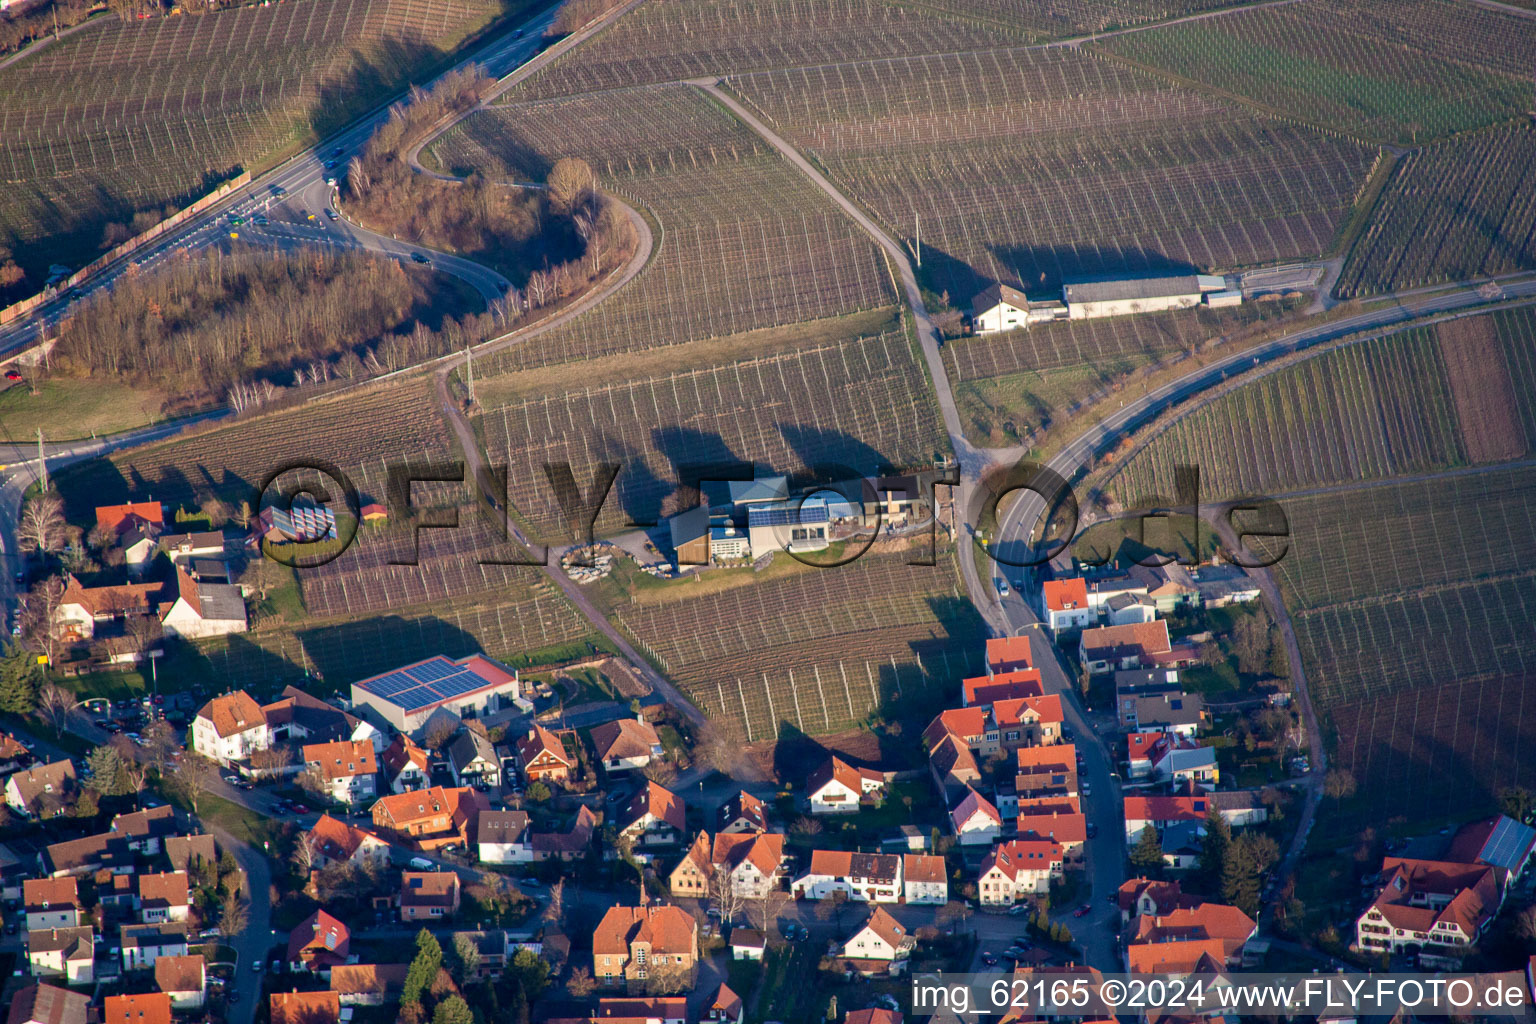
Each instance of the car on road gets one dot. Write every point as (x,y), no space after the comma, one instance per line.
(279,191)
(236,219)
(1020,908)
(518,34)
(417,257)
(232,996)
(420,863)
(260,220)
(256,967)
(1087,789)
(1093,830)
(337,151)
(330,165)
(1002,586)
(990,959)
(1014,952)
(530,883)
(330,213)
(1082,911)
(12,375)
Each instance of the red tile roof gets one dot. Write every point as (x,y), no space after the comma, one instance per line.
(1065,595)
(1022,855)
(112,517)
(233,713)
(1113,642)
(305,1007)
(320,937)
(922,867)
(624,738)
(986,689)
(145,1008)
(668,929)
(338,840)
(657,801)
(1013,711)
(765,850)
(50,893)
(1009,654)
(342,759)
(181,973)
(1063,828)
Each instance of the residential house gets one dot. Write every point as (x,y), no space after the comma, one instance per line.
(50,1004)
(230,728)
(184,549)
(1003,686)
(14,754)
(473,758)
(319,943)
(1436,909)
(408,698)
(1139,896)
(302,716)
(1179,941)
(68,953)
(626,744)
(542,756)
(997,308)
(1236,808)
(725,1008)
(142,1008)
(1221,585)
(1133,645)
(51,903)
(145,829)
(1003,725)
(346,771)
(89,854)
(924,880)
(742,813)
(754,861)
(333,841)
(652,817)
(1135,683)
(495,949)
(953,767)
(1176,759)
(1064,604)
(1104,586)
(1499,842)
(1046,772)
(1182,714)
(430,818)
(1183,843)
(1169,586)
(81,610)
(409,766)
(164,897)
(1124,609)
(203,609)
(694,873)
(185,852)
(40,791)
(425,895)
(837,787)
(184,979)
(633,945)
(1018,869)
(881,946)
(642,1010)
(368,984)
(1139,748)
(1067,829)
(502,837)
(144,944)
(974,820)
(565,846)
(304,1008)
(865,877)
(747,944)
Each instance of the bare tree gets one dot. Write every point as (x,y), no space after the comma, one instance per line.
(195,777)
(234,915)
(554,910)
(42,522)
(55,703)
(272,759)
(39,625)
(569,182)
(725,894)
(306,853)
(763,910)
(581,983)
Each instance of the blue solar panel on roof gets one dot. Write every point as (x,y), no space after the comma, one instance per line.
(1507,843)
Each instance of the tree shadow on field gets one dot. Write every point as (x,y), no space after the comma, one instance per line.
(340,654)
(823,451)
(697,456)
(1043,269)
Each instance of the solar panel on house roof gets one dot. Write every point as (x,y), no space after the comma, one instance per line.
(1507,843)
(418,686)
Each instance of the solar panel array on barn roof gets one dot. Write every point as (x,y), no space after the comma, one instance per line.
(425,683)
(1506,847)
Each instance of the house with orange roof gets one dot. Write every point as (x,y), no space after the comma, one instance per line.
(865,877)
(368,984)
(51,902)
(81,609)
(230,728)
(319,942)
(654,816)
(880,946)
(1437,909)
(1180,941)
(1068,830)
(1046,772)
(1003,725)
(643,1010)
(1009,654)
(874,1015)
(428,895)
(836,787)
(408,765)
(430,818)
(754,861)
(952,765)
(164,897)
(344,770)
(184,979)
(1064,604)
(118,518)
(134,529)
(924,879)
(626,744)
(692,876)
(1139,748)
(1118,648)
(726,1007)
(143,1008)
(634,945)
(1161,811)
(1138,897)
(542,756)
(742,813)
(333,841)
(975,820)
(1002,686)
(1018,869)
(304,1008)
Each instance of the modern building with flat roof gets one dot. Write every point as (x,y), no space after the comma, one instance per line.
(407,697)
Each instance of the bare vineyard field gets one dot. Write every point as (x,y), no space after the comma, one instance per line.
(134,115)
(861,403)
(674,40)
(1454,211)
(1374,409)
(362,433)
(818,650)
(1516,330)
(1033,166)
(511,624)
(745,241)
(1076,17)
(1398,70)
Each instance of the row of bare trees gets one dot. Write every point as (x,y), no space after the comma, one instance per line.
(573,14)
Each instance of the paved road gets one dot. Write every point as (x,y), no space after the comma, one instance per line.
(304,178)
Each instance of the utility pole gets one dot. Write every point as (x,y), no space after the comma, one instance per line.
(917,219)
(469,361)
(41,461)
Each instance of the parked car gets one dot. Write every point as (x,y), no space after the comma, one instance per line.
(12,375)
(1082,911)
(989,959)
(417,257)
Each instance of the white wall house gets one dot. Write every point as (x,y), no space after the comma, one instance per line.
(924,880)
(864,877)
(502,837)
(1013,871)
(230,728)
(975,821)
(837,787)
(999,308)
(1126,296)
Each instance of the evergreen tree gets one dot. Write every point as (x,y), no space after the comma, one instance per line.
(1247,859)
(517,1004)
(453,1010)
(1147,854)
(1214,847)
(20,677)
(423,969)
(109,776)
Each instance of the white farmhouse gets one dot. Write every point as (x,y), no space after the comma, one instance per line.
(203,609)
(975,820)
(1124,296)
(999,308)
(837,787)
(230,728)
(864,877)
(924,880)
